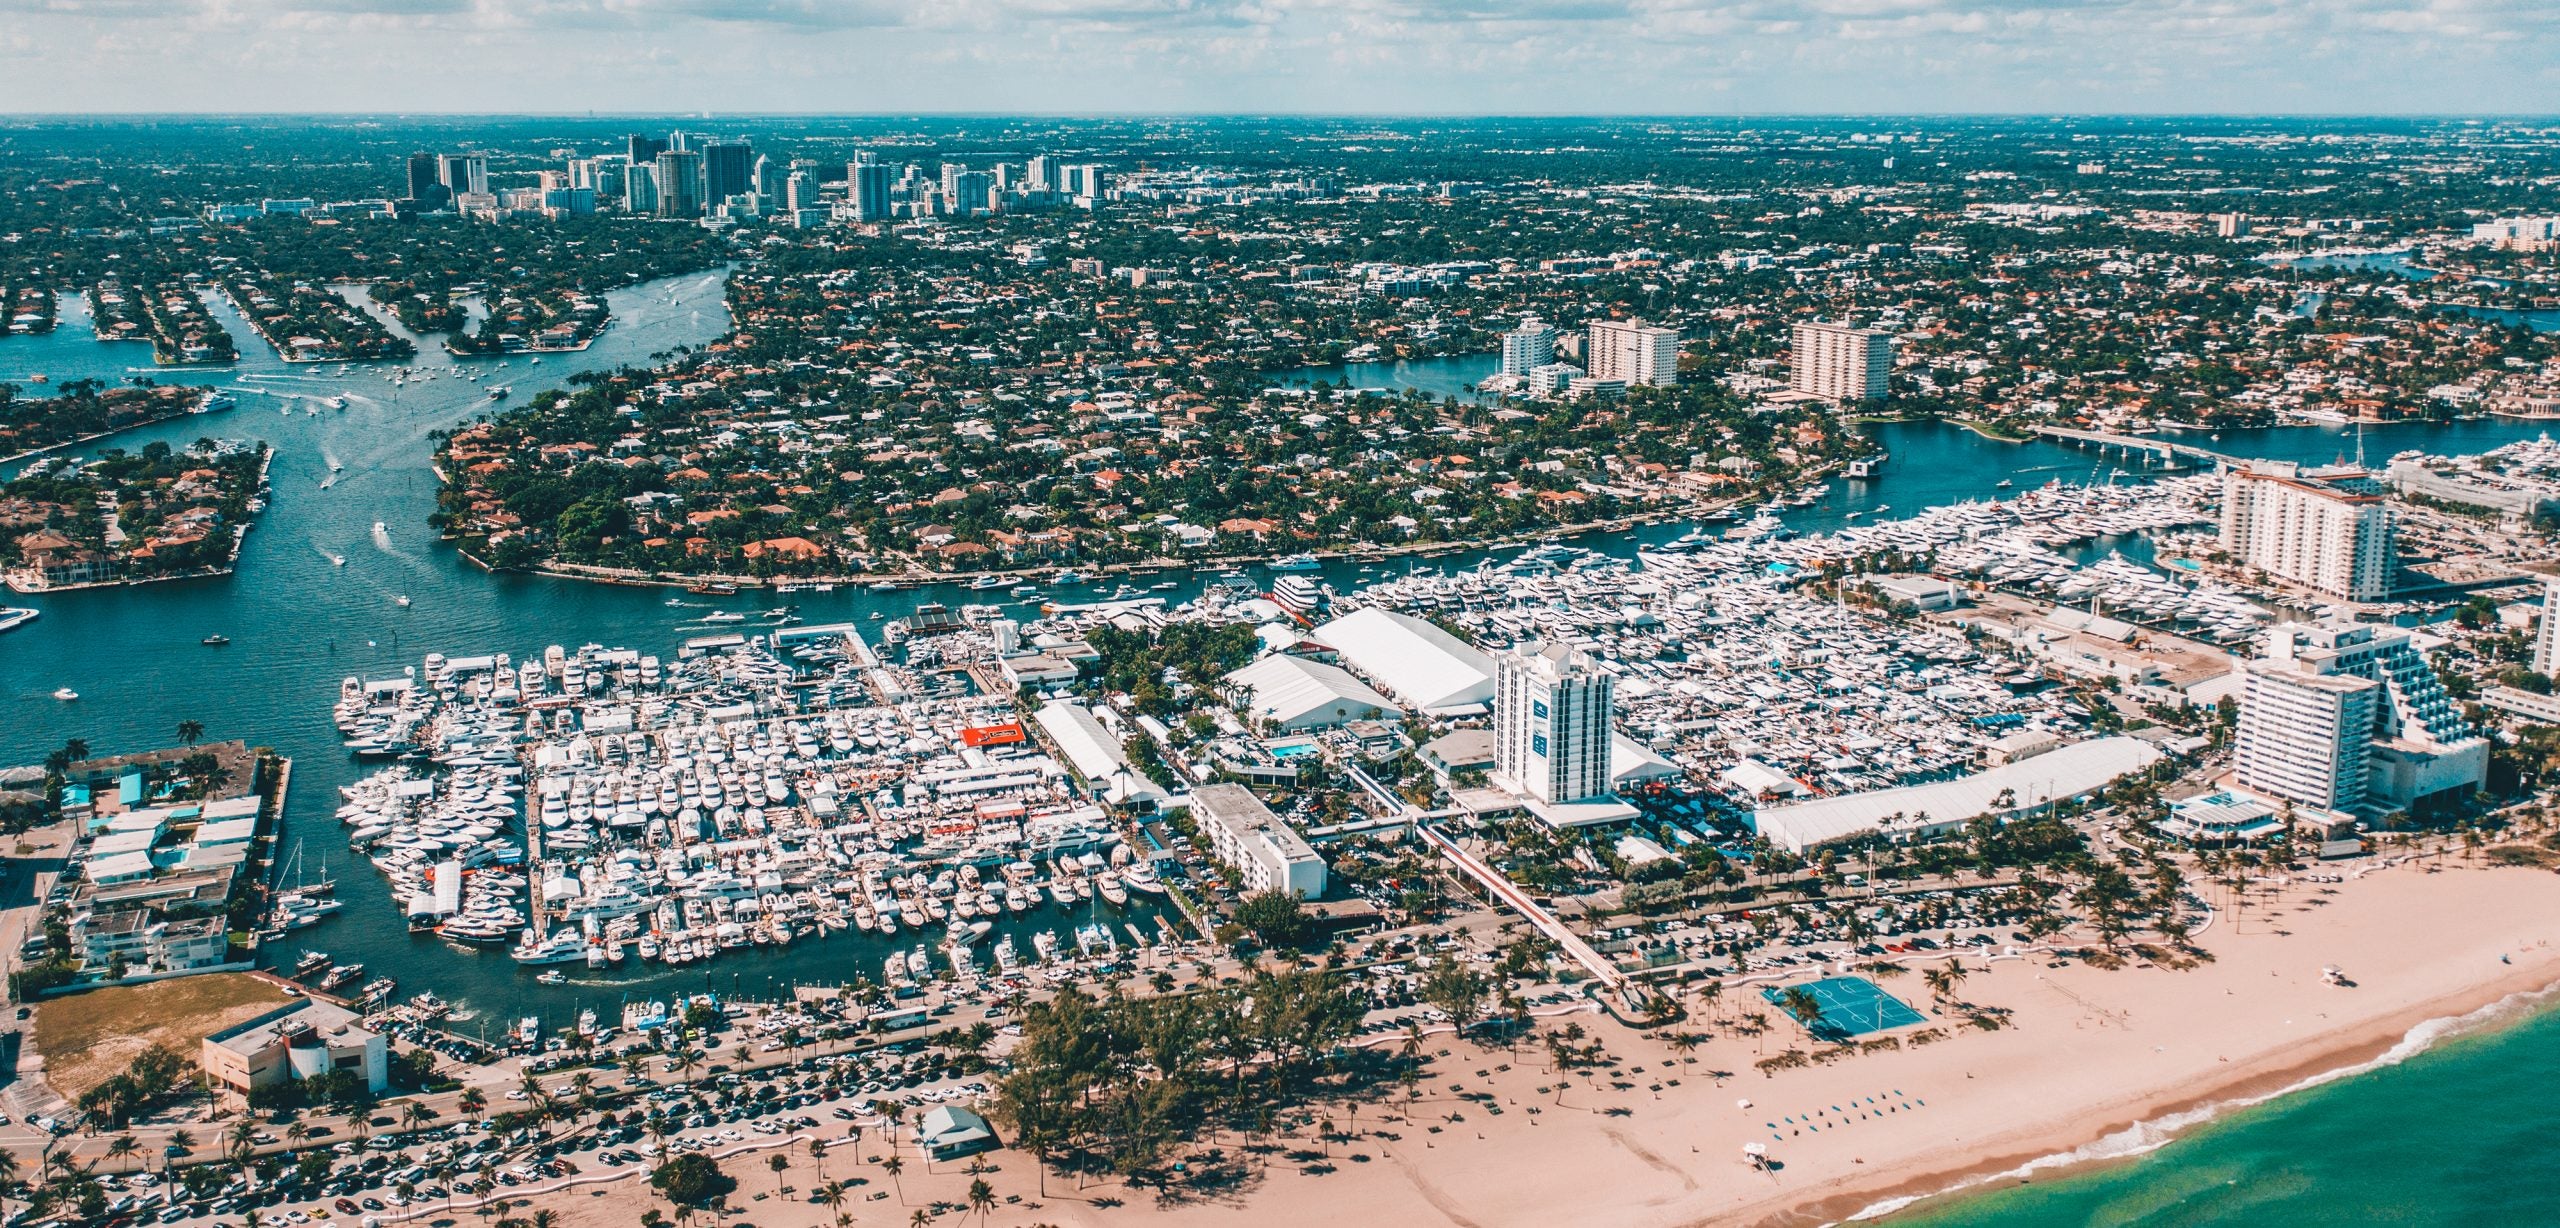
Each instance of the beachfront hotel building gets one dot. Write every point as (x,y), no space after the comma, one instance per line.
(1266,853)
(1634,353)
(1839,363)
(2330,530)
(2352,718)
(1552,708)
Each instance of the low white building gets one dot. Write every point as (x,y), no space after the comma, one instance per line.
(1265,852)
(1095,754)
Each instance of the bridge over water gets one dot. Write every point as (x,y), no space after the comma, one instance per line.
(2165,449)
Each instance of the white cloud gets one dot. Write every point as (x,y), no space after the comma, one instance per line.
(1282,55)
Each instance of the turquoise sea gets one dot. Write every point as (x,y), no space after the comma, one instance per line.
(2458,1134)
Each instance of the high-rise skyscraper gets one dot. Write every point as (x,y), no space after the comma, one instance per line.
(728,169)
(770,177)
(800,191)
(1840,363)
(1084,179)
(967,191)
(866,189)
(2330,530)
(2348,717)
(463,173)
(680,184)
(1633,351)
(1528,347)
(1551,722)
(424,187)
(2546,643)
(644,150)
(1042,174)
(640,188)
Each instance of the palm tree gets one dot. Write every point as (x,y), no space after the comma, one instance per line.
(75,749)
(190,730)
(893,1165)
(1796,1000)
(982,1199)
(414,1114)
(242,1138)
(818,1157)
(123,1148)
(831,1196)
(1711,993)
(919,1219)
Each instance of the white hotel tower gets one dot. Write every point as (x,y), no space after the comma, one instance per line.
(2546,644)
(1551,722)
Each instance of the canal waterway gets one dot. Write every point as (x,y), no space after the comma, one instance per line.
(300,621)
(1454,375)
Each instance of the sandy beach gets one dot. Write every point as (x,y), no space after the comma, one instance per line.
(1657,1139)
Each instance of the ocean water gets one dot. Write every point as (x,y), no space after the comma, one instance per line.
(2459,1134)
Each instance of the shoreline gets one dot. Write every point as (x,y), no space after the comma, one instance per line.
(2087,1067)
(596,573)
(2165,1119)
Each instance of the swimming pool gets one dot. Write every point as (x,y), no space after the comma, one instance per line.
(1287,751)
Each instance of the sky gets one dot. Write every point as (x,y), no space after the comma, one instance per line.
(1584,57)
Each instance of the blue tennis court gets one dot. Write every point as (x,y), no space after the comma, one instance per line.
(1852,1006)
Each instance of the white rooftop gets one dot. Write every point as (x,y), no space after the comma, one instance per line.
(1419,663)
(2067,772)
(1290,690)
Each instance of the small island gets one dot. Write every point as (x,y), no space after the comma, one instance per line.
(130,518)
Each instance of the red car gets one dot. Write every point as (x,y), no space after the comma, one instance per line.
(347,1206)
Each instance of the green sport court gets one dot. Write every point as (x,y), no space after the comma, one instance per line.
(1852,1006)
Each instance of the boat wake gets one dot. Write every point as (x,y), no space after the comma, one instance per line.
(2144,1137)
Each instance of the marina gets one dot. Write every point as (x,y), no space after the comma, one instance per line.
(316,600)
(603,807)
